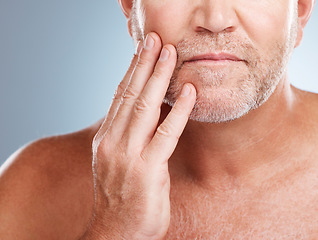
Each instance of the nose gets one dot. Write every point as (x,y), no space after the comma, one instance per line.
(214,16)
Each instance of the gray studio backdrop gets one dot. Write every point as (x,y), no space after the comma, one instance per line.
(60,63)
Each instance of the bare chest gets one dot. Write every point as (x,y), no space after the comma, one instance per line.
(287,213)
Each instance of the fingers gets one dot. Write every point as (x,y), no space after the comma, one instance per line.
(162,145)
(135,111)
(146,111)
(142,72)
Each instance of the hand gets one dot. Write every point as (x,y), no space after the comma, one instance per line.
(130,151)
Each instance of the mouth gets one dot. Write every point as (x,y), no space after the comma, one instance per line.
(214,59)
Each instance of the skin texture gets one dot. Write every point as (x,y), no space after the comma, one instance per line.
(224,93)
(159,176)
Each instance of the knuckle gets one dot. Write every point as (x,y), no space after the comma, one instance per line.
(130,94)
(142,105)
(158,73)
(115,103)
(116,98)
(120,90)
(166,130)
(144,156)
(143,61)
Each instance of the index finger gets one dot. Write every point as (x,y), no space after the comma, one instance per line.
(169,131)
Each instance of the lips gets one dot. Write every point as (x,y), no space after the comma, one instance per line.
(215,57)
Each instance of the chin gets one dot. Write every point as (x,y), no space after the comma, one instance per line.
(223,103)
(219,110)
(226,94)
(219,105)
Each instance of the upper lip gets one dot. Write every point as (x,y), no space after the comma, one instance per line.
(215,57)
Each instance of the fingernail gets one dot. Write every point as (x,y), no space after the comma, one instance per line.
(164,55)
(185,91)
(149,43)
(138,48)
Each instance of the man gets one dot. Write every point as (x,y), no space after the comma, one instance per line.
(244,166)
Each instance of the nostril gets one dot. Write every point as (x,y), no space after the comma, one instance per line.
(215,17)
(200,29)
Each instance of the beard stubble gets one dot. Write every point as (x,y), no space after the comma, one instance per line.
(252,84)
(226,94)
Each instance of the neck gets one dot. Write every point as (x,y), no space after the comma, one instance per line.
(239,151)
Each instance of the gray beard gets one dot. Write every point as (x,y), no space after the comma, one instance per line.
(216,102)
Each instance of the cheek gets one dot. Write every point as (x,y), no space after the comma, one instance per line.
(167,18)
(266,22)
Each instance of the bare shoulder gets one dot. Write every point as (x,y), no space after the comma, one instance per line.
(46,188)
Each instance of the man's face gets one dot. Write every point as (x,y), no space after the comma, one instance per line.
(255,39)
